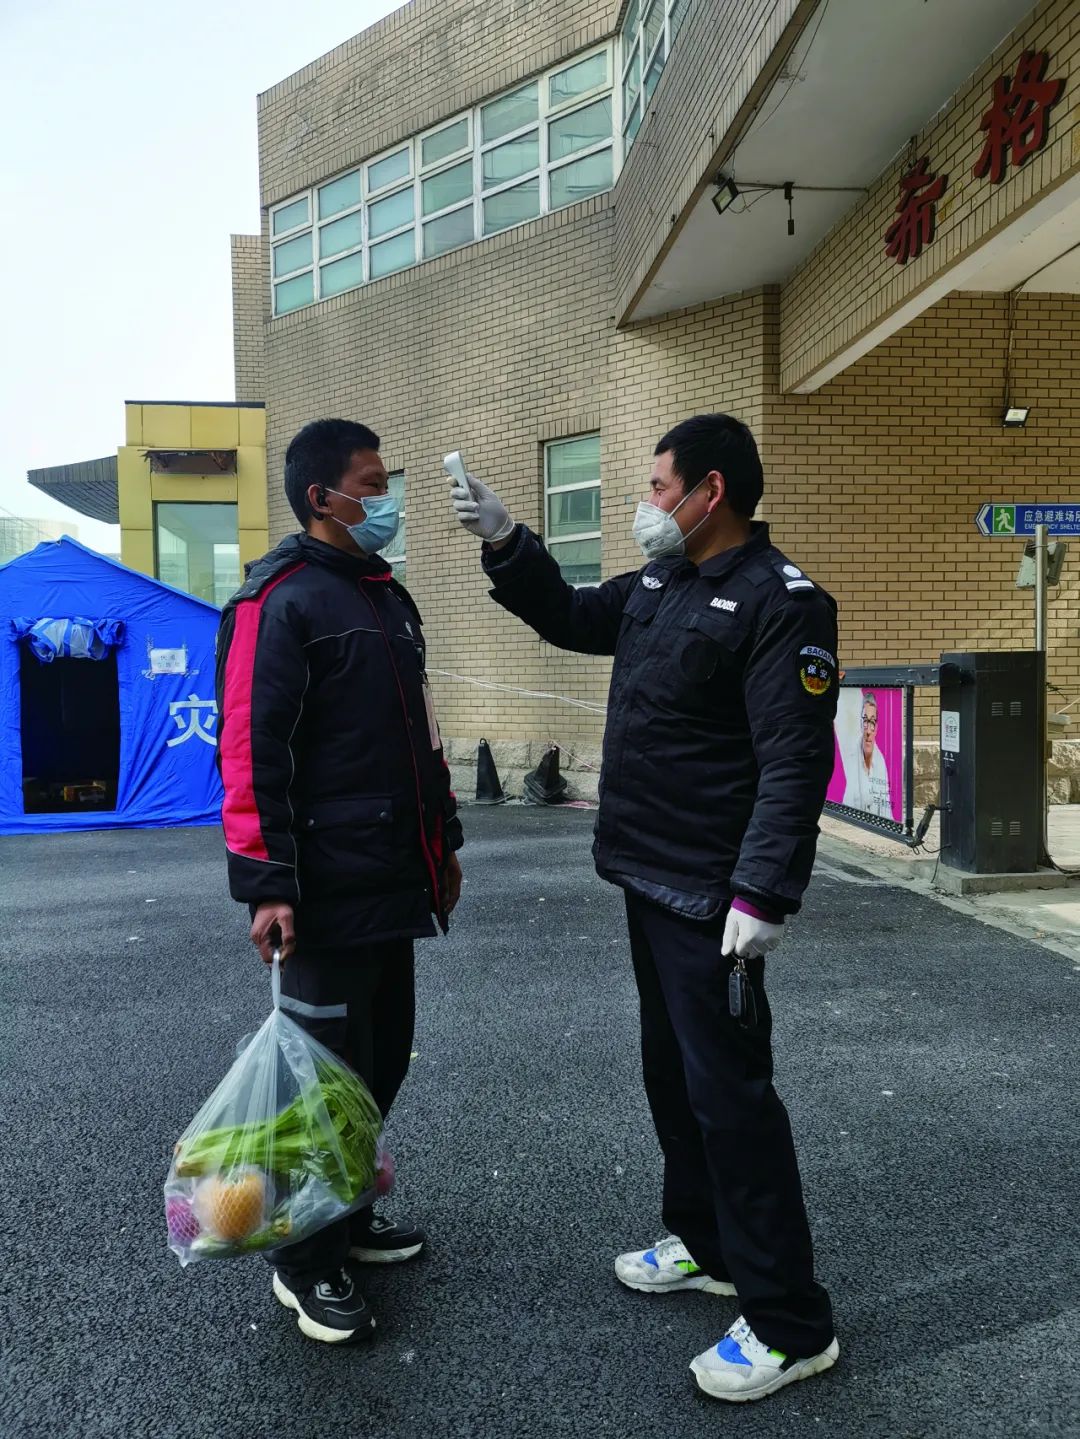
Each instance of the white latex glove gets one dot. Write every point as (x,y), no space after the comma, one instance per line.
(480,511)
(749,938)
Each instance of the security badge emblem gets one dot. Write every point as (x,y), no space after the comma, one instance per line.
(817,670)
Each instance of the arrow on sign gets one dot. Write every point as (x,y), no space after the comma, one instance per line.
(982,520)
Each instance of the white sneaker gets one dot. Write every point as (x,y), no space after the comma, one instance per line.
(740,1367)
(664,1269)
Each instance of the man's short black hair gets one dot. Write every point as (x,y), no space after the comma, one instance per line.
(320,455)
(717,442)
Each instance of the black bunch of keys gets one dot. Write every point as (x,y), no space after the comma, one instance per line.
(741,1004)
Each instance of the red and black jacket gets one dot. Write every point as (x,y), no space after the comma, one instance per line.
(337,794)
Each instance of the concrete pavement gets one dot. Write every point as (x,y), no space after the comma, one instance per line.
(1050,916)
(928,1060)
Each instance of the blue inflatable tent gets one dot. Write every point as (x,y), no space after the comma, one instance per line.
(107,710)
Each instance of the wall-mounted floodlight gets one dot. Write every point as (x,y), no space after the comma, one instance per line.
(727,192)
(1015,416)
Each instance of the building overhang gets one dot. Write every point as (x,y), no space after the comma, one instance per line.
(191,462)
(88,487)
(859,81)
(1036,254)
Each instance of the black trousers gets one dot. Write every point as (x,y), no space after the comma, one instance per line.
(732,1191)
(376,984)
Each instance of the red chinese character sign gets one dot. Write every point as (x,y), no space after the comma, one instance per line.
(1017,122)
(916,214)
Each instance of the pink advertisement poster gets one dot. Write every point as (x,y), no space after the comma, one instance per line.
(868,775)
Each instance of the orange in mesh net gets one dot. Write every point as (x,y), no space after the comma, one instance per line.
(233,1207)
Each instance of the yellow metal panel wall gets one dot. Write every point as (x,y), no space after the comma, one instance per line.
(214,428)
(251,488)
(208,427)
(167,427)
(137,550)
(253,545)
(253,427)
(133,488)
(195,489)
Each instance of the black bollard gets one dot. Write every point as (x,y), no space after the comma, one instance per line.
(488,788)
(545,785)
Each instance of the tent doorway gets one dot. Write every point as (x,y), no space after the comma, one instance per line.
(70,721)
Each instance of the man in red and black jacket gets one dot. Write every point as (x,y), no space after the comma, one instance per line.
(340,823)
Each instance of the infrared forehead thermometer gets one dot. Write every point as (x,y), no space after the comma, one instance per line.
(454,466)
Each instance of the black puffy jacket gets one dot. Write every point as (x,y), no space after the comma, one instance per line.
(718,747)
(337,795)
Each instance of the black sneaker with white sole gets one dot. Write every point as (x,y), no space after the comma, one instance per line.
(332,1311)
(374,1239)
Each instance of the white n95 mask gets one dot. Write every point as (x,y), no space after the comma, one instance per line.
(657,531)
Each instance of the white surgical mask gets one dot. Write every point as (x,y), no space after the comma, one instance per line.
(657,532)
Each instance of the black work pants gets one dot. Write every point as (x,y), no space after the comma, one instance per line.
(732,1191)
(375,983)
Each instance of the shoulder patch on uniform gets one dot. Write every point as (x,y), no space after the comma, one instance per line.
(651,582)
(817,670)
(793,578)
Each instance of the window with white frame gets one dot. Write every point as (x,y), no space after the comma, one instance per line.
(572,507)
(544,145)
(648,33)
(394,553)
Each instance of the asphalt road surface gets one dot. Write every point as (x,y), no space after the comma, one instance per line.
(930,1064)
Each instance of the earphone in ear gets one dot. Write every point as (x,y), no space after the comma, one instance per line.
(320,495)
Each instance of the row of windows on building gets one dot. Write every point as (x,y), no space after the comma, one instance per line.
(547,144)
(197,547)
(648,30)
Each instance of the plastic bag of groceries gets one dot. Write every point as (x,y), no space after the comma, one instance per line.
(288,1142)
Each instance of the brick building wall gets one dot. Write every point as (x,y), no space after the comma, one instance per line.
(493,349)
(872,481)
(712,357)
(249,289)
(419,65)
(875,480)
(721,63)
(848,285)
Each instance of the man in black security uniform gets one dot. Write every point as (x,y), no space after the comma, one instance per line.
(717,754)
(339,819)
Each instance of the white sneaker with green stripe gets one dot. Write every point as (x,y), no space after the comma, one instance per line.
(740,1367)
(665,1268)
